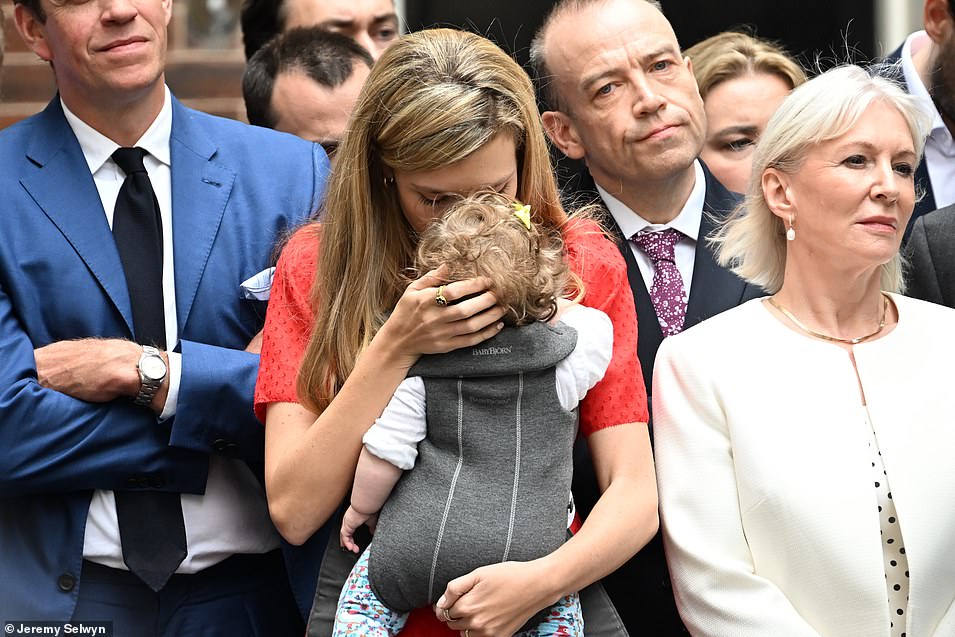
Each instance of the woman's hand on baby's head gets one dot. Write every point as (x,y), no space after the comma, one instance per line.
(433,316)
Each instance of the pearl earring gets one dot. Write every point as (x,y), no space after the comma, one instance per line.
(791,233)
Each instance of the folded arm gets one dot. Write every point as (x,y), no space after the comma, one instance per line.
(54,442)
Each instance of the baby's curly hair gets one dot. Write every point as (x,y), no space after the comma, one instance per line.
(481,236)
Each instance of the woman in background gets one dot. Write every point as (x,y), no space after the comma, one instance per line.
(742,80)
(803,441)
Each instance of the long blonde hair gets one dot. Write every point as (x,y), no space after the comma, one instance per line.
(432,99)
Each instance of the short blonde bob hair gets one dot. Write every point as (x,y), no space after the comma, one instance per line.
(729,55)
(753,241)
(432,99)
(484,236)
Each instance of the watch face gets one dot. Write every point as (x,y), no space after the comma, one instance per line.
(153,367)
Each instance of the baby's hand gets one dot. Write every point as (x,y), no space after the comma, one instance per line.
(350,523)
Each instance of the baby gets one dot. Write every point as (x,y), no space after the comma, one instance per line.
(470,463)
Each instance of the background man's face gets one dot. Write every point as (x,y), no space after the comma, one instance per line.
(314,112)
(371,23)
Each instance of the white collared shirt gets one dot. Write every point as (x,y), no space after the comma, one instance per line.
(232,516)
(939,147)
(109,177)
(687,222)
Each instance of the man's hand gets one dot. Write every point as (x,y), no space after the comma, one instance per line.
(96,370)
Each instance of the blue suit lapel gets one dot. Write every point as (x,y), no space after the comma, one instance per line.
(59,181)
(201,187)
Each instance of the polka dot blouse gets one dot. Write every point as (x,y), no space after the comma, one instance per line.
(893,550)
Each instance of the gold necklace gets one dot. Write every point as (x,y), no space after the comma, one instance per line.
(826,337)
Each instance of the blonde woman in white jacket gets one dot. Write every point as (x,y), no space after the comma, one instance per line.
(804,442)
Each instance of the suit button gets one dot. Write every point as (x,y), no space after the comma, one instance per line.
(232,448)
(143,482)
(65,582)
(156,482)
(132,483)
(220,445)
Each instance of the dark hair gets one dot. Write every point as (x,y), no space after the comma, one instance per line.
(261,21)
(37,10)
(325,57)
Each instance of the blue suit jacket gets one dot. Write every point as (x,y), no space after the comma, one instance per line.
(235,190)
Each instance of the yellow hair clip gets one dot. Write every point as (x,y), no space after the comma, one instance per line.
(522,212)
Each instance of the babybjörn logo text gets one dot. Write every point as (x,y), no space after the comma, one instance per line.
(491,351)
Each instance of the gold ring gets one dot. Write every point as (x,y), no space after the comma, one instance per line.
(441,300)
(447,615)
(467,632)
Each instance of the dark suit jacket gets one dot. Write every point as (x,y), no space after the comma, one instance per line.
(891,68)
(931,252)
(235,190)
(640,589)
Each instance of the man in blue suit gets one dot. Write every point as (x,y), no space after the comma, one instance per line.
(130,476)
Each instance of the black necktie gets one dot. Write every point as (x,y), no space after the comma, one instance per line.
(151,527)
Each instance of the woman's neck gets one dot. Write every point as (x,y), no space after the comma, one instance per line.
(844,307)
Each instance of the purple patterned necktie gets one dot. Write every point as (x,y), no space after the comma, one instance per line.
(666,292)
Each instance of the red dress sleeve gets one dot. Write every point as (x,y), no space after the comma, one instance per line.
(288,321)
(620,397)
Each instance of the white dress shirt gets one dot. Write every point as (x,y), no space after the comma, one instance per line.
(232,516)
(687,222)
(939,147)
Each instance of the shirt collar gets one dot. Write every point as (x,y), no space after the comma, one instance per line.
(687,222)
(97,148)
(913,80)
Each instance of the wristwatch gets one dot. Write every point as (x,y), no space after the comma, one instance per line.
(152,372)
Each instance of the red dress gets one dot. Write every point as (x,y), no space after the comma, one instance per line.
(617,399)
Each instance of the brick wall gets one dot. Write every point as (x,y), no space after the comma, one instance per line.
(207,79)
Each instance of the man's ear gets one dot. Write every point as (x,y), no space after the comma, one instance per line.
(938,20)
(560,129)
(32,31)
(777,194)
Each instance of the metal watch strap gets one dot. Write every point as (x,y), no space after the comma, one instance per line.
(147,387)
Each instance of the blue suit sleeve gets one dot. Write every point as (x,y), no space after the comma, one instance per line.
(52,442)
(215,403)
(214,412)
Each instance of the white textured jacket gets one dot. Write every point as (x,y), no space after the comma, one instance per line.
(768,507)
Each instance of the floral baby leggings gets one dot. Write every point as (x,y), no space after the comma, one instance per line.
(361,614)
